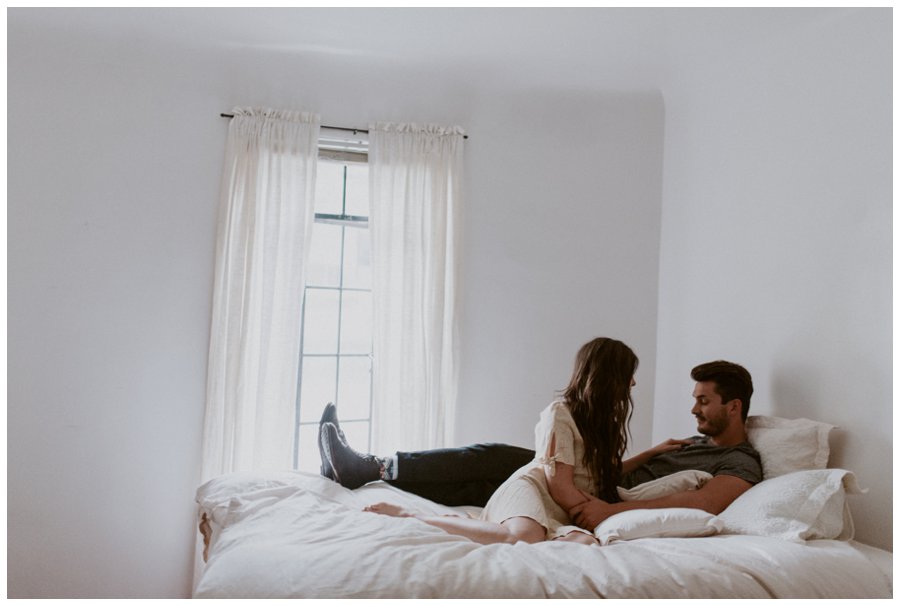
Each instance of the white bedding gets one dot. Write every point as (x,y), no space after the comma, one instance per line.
(296,535)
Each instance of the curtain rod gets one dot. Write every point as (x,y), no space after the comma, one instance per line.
(352,130)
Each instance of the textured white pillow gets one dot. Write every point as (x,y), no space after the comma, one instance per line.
(689,479)
(787,445)
(670,522)
(797,506)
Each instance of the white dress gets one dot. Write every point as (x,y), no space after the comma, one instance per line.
(526,494)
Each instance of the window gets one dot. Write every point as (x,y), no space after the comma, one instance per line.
(336,341)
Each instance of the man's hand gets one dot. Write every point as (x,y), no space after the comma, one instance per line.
(591,512)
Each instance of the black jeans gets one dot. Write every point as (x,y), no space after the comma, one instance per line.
(459,476)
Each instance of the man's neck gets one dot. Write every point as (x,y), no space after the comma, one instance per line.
(730,437)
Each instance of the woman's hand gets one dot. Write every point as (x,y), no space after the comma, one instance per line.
(590,512)
(668,446)
(561,486)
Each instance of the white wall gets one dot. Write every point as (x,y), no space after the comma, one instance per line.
(111,206)
(115,150)
(776,236)
(561,246)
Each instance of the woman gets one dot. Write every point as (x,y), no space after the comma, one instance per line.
(580,440)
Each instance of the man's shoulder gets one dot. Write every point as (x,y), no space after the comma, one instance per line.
(741,460)
(742,454)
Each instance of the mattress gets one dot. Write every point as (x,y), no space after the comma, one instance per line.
(298,535)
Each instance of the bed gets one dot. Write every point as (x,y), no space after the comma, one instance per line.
(296,535)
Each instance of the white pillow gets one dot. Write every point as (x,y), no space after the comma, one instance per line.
(670,522)
(225,486)
(797,506)
(787,445)
(689,479)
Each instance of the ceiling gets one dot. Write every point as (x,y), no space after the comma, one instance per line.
(614,46)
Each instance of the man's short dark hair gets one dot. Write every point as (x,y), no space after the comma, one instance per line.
(732,381)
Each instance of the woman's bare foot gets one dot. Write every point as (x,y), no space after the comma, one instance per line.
(387,509)
(579,537)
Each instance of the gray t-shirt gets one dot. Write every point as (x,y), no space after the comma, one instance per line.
(741,461)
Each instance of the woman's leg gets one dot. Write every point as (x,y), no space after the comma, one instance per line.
(524,529)
(480,531)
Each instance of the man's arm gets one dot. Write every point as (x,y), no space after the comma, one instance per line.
(713,497)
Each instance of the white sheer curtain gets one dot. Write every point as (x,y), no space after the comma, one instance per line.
(265,222)
(415,195)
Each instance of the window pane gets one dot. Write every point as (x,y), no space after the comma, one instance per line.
(356,322)
(354,387)
(357,258)
(320,321)
(323,267)
(358,189)
(316,386)
(357,435)
(329,187)
(337,321)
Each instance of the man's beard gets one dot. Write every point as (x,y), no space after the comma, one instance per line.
(713,427)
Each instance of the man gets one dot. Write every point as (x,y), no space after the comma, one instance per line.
(468,475)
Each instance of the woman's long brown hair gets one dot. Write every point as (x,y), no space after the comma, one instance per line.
(599,398)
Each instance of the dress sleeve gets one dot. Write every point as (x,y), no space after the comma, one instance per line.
(560,439)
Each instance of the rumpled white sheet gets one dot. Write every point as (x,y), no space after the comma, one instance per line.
(296,535)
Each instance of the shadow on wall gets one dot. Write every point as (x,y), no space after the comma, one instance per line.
(802,392)
(792,398)
(861,441)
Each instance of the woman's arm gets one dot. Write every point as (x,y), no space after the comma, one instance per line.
(561,479)
(637,460)
(562,486)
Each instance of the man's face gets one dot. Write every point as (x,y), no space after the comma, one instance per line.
(711,415)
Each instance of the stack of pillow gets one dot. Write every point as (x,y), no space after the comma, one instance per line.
(799,499)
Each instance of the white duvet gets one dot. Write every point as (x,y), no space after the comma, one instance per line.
(296,535)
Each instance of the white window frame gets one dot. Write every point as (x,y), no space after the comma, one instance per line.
(335,147)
